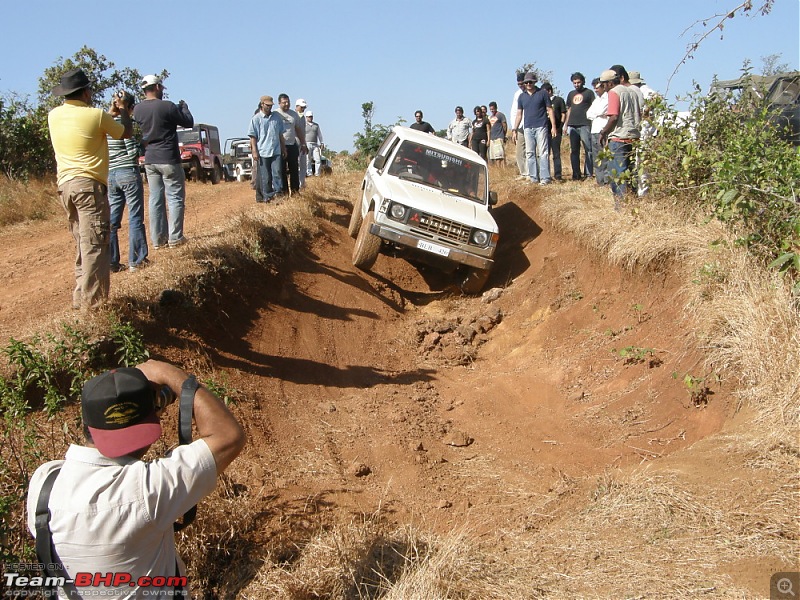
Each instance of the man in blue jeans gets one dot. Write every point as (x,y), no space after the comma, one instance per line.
(535,105)
(268,148)
(159,120)
(623,129)
(125,187)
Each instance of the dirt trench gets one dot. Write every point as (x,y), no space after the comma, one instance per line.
(388,392)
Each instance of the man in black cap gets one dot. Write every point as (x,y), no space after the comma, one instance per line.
(112,512)
(78,134)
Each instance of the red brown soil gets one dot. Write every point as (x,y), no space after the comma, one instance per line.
(351,404)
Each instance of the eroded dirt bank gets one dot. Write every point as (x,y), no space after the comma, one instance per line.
(386,393)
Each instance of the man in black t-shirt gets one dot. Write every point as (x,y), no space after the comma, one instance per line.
(580,127)
(421,125)
(560,113)
(159,120)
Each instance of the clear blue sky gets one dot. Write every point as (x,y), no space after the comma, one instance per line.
(427,54)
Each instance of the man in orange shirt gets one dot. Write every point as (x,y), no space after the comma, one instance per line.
(78,134)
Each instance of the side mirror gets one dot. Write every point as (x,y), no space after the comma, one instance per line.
(492,198)
(379,162)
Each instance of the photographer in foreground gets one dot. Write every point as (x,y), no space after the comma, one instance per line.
(112,512)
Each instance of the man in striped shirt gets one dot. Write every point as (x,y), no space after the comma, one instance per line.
(125,187)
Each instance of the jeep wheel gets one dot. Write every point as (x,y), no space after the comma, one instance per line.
(196,172)
(355,219)
(216,174)
(475,280)
(368,246)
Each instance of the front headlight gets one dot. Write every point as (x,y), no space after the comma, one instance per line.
(397,211)
(480,238)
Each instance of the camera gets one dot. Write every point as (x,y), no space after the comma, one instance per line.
(164,397)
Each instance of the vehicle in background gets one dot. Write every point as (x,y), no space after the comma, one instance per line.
(428,199)
(238,160)
(780,93)
(200,152)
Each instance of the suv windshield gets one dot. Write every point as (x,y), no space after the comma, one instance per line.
(241,150)
(438,169)
(188,136)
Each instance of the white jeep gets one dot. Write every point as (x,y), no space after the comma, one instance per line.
(429,198)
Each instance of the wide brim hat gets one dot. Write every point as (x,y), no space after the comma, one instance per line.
(71,82)
(635,77)
(118,409)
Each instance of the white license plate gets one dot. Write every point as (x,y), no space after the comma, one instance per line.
(435,248)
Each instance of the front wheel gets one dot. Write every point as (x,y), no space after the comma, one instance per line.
(355,219)
(196,171)
(368,246)
(474,281)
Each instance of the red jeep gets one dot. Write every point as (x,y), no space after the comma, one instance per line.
(200,153)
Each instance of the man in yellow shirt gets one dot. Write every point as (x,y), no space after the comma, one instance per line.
(78,134)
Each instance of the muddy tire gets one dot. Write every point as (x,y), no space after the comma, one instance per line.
(355,219)
(474,281)
(367,246)
(196,171)
(216,173)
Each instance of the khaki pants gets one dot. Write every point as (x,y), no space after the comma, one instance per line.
(86,204)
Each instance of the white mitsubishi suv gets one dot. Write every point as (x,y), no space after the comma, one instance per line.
(429,198)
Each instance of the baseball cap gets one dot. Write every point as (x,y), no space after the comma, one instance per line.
(308,113)
(608,75)
(300,102)
(149,80)
(118,409)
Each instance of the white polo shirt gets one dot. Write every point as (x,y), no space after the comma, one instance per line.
(115,515)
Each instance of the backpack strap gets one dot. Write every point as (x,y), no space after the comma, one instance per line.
(185,414)
(45,550)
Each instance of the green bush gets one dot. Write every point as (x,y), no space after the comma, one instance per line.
(728,155)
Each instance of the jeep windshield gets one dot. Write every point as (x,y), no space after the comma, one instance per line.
(441,170)
(188,136)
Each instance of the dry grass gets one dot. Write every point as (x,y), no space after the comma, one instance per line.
(745,316)
(22,201)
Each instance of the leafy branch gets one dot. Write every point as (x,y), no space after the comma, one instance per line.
(719,20)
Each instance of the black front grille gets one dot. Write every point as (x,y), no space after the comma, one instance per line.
(438,226)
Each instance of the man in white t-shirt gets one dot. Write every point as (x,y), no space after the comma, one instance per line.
(110,512)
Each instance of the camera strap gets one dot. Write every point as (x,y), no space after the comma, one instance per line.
(45,550)
(185,414)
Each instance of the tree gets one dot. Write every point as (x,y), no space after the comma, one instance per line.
(24,141)
(105,78)
(368,141)
(719,21)
(541,75)
(772,66)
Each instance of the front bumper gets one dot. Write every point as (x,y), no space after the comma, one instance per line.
(410,241)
